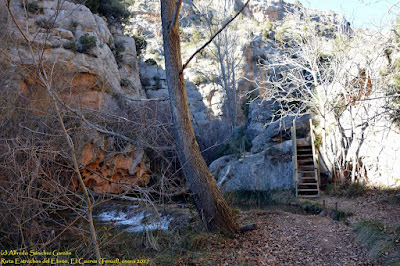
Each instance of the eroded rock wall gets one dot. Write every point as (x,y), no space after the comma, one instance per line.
(89,67)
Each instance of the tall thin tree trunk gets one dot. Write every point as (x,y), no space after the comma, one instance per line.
(208,199)
(234,95)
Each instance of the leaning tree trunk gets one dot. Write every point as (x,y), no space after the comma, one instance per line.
(211,205)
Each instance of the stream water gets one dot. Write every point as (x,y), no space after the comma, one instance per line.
(134,221)
(135,218)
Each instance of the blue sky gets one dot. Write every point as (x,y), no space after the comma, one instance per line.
(360,13)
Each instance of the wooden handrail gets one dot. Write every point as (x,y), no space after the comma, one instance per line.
(294,157)
(313,151)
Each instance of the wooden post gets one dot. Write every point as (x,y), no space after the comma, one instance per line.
(313,152)
(294,157)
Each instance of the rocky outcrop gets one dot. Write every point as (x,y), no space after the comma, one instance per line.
(106,170)
(78,52)
(279,131)
(268,166)
(154,83)
(270,10)
(89,66)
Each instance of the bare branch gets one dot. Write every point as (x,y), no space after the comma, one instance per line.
(213,37)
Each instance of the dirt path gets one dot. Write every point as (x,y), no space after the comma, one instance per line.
(380,206)
(287,239)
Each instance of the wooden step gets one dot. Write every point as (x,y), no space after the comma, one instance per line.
(311,160)
(305,163)
(302,142)
(302,150)
(307,178)
(305,167)
(304,147)
(305,171)
(309,196)
(304,155)
(303,185)
(307,184)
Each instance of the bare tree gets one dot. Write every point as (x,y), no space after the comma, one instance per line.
(45,82)
(225,50)
(210,203)
(321,68)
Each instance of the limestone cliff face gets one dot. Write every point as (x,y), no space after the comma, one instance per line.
(77,49)
(89,66)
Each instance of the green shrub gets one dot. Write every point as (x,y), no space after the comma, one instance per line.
(119,48)
(157,79)
(349,190)
(93,5)
(140,44)
(151,62)
(125,83)
(235,146)
(86,42)
(279,36)
(199,79)
(113,10)
(265,35)
(196,36)
(70,45)
(297,3)
(355,190)
(269,26)
(317,141)
(44,23)
(145,82)
(34,7)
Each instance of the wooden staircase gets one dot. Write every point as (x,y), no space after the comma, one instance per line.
(305,168)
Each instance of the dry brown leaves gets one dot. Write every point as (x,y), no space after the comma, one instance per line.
(287,239)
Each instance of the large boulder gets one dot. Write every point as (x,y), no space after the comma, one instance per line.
(268,166)
(267,170)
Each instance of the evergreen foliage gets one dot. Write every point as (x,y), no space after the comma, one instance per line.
(113,10)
